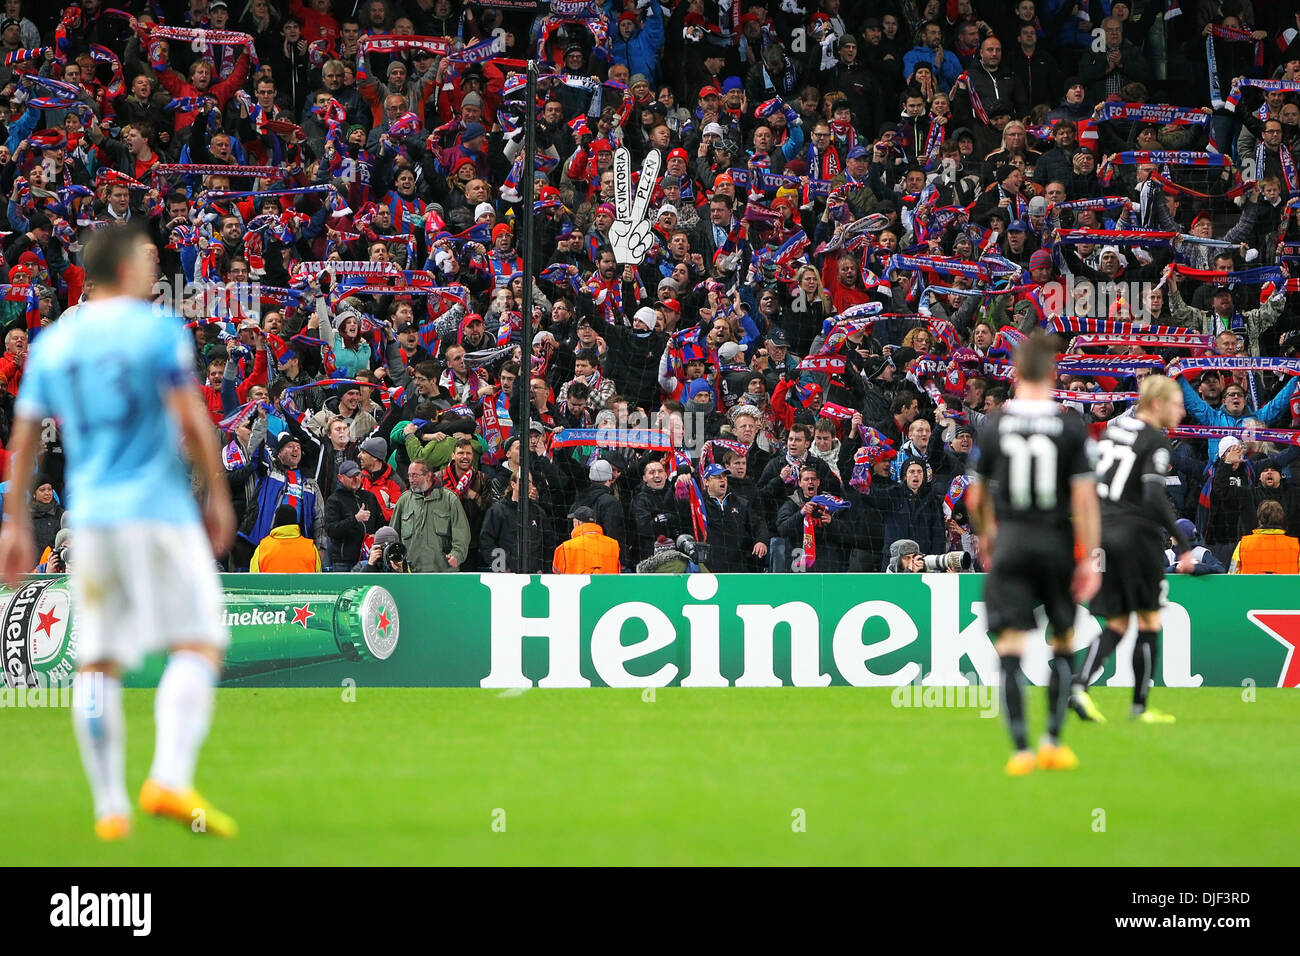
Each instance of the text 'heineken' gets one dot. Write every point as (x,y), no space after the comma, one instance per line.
(38,634)
(269,629)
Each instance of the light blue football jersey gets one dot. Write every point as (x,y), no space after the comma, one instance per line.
(102,374)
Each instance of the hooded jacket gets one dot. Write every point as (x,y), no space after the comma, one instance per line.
(285,551)
(588,551)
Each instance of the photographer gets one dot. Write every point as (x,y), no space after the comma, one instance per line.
(905,557)
(669,557)
(56,562)
(387,555)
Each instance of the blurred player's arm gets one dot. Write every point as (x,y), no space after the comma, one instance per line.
(186,407)
(17,541)
(1086,510)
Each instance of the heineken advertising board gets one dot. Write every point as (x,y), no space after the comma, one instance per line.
(803,630)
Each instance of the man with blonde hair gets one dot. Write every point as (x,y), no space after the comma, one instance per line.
(1136,521)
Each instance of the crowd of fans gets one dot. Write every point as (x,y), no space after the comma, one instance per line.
(863,207)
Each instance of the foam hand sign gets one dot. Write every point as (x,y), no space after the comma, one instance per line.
(629,236)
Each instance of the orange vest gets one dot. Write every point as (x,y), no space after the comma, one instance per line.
(283,554)
(1268,551)
(589,551)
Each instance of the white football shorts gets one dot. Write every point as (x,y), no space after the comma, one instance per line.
(143,587)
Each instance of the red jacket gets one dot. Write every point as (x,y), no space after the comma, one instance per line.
(842,297)
(256,377)
(12,373)
(315,26)
(212,399)
(221,92)
(385,488)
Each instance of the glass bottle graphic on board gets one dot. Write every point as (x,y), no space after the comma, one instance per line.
(271,628)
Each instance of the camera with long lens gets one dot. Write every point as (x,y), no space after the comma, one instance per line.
(61,556)
(395,553)
(948,561)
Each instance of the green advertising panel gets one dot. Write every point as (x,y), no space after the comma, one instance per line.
(803,630)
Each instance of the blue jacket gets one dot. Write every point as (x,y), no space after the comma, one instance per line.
(794,142)
(1073,32)
(1207,414)
(946,75)
(22,127)
(1206,562)
(270,493)
(640,52)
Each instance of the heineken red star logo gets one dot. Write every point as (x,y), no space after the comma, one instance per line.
(383,621)
(300,615)
(48,620)
(1283,627)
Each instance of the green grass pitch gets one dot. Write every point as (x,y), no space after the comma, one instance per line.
(455,776)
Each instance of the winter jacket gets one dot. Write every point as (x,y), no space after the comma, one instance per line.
(285,551)
(436,453)
(1230,503)
(499,538)
(907,514)
(1206,414)
(46,522)
(386,488)
(654,513)
(346,533)
(946,74)
(1133,68)
(476,507)
(1257,321)
(588,551)
(735,526)
(633,360)
(833,537)
(430,526)
(640,52)
(609,510)
(272,488)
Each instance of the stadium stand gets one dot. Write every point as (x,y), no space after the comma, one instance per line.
(863,208)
